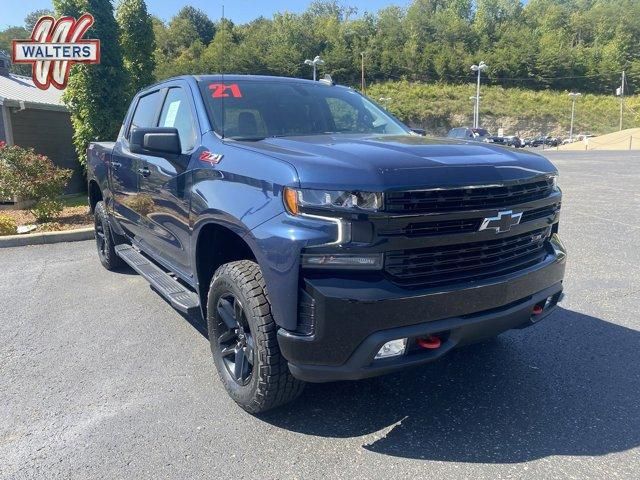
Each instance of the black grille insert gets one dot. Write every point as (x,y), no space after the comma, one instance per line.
(449,264)
(442,227)
(462,199)
(466,225)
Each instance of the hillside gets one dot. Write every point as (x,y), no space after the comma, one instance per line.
(527,113)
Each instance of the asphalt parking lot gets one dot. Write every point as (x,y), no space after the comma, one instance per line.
(100,378)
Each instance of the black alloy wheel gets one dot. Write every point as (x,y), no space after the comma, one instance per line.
(237,346)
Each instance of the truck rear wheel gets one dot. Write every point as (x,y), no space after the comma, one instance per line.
(243,338)
(104,239)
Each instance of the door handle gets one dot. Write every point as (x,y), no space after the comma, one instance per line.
(145,172)
(115,165)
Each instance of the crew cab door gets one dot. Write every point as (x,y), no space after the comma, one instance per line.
(125,165)
(164,185)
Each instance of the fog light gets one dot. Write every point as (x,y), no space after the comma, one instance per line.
(392,348)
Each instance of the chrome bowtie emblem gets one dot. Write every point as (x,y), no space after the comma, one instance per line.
(502,222)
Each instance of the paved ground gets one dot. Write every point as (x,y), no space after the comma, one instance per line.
(99,378)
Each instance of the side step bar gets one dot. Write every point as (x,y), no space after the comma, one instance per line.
(180,297)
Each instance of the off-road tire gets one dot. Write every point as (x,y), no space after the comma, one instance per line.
(105,239)
(270,383)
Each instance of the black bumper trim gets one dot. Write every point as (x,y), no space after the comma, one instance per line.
(459,331)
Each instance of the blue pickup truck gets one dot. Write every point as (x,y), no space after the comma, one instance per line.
(319,237)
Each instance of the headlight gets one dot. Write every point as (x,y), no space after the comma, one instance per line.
(554,179)
(298,199)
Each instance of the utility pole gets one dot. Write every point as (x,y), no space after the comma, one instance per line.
(478,68)
(362,87)
(621,93)
(574,96)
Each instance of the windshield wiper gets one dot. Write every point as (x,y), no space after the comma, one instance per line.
(247,139)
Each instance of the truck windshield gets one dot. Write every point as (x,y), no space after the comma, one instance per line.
(254,110)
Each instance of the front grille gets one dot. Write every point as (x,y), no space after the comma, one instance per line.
(450,264)
(542,212)
(463,199)
(444,227)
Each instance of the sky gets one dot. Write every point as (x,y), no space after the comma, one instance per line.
(239,11)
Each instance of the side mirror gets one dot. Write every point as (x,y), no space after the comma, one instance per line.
(419,131)
(155,141)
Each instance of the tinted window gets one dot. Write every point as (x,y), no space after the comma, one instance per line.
(146,110)
(176,113)
(257,109)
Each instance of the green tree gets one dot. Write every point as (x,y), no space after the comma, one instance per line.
(96,94)
(219,56)
(6,37)
(31,19)
(137,42)
(201,23)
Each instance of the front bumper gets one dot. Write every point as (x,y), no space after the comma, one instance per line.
(353,319)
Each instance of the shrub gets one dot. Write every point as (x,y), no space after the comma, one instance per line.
(7,225)
(30,176)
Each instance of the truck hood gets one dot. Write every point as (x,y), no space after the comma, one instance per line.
(379,163)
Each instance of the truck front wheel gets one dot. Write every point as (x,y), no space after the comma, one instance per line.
(244,342)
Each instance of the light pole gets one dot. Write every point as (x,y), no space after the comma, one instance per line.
(473,97)
(574,96)
(478,68)
(314,63)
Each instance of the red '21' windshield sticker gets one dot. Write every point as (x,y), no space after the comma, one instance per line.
(221,90)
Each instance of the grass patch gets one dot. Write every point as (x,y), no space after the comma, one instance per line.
(78,200)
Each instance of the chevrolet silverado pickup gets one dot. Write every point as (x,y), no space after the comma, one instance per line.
(319,237)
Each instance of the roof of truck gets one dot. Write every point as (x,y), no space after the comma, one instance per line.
(217,77)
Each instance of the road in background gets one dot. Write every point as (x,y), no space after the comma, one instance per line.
(100,378)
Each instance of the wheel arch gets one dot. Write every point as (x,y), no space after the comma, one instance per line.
(215,245)
(95,194)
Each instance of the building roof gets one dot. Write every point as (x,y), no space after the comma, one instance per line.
(19,91)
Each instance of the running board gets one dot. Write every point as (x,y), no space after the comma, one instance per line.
(180,297)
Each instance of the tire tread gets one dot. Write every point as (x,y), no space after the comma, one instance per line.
(276,386)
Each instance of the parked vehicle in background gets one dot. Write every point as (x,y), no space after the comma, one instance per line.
(508,141)
(474,134)
(318,237)
(513,141)
(545,140)
(584,136)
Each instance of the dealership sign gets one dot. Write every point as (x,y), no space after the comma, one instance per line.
(54,46)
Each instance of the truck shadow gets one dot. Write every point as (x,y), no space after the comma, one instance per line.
(569,386)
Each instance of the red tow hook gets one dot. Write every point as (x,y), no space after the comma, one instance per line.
(430,343)
(537,310)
